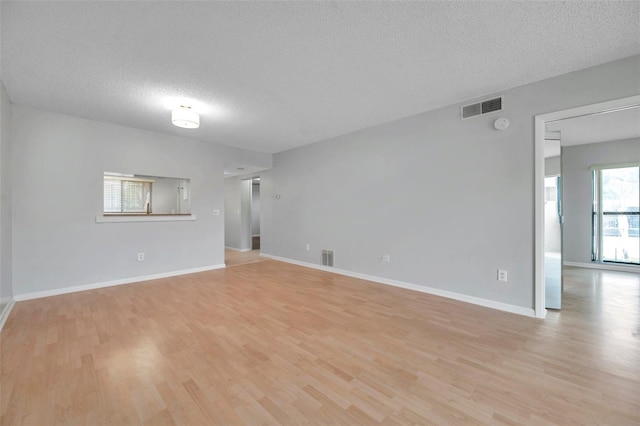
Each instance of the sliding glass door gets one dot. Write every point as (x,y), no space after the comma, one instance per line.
(616,214)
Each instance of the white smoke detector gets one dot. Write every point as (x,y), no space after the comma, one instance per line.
(501,123)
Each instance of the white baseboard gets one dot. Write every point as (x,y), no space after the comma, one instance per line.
(6,311)
(237,249)
(423,289)
(59,291)
(605,266)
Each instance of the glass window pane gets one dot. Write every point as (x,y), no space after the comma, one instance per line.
(620,215)
(112,196)
(620,190)
(134,196)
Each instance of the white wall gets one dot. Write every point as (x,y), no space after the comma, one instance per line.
(451,201)
(58,164)
(6,288)
(577,190)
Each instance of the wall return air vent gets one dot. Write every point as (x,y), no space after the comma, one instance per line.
(480,108)
(327,257)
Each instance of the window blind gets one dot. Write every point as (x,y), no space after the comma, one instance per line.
(127,195)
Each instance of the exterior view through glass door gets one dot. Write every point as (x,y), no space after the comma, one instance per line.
(616,214)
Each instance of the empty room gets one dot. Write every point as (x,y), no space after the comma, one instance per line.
(332,213)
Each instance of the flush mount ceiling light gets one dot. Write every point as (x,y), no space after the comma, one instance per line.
(186,118)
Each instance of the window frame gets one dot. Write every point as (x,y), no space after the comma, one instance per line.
(120,217)
(598,214)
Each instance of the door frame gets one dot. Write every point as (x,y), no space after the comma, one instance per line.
(540,124)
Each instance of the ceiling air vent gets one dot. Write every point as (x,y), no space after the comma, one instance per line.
(480,108)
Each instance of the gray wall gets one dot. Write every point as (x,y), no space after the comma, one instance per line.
(232,213)
(552,166)
(245,214)
(165,195)
(451,201)
(6,288)
(255,209)
(237,205)
(58,164)
(577,190)
(184,202)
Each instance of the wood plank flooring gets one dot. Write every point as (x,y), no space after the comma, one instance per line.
(235,258)
(272,343)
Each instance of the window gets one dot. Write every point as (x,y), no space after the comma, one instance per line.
(124,194)
(616,214)
(128,194)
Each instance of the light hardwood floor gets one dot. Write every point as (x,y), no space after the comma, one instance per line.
(269,343)
(235,258)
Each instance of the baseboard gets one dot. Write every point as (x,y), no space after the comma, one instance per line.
(415,287)
(85,287)
(6,311)
(605,266)
(237,249)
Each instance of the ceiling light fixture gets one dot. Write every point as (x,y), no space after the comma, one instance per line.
(186,118)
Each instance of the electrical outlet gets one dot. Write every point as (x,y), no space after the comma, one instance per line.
(308,247)
(502,275)
(140,257)
(386,258)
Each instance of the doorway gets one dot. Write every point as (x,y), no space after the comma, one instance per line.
(242,220)
(542,123)
(255,214)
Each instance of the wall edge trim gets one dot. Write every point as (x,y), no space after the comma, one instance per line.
(605,266)
(4,315)
(93,286)
(519,310)
(237,249)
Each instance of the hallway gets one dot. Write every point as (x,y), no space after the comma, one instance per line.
(235,257)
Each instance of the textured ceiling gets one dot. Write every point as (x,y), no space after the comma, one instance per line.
(271,76)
